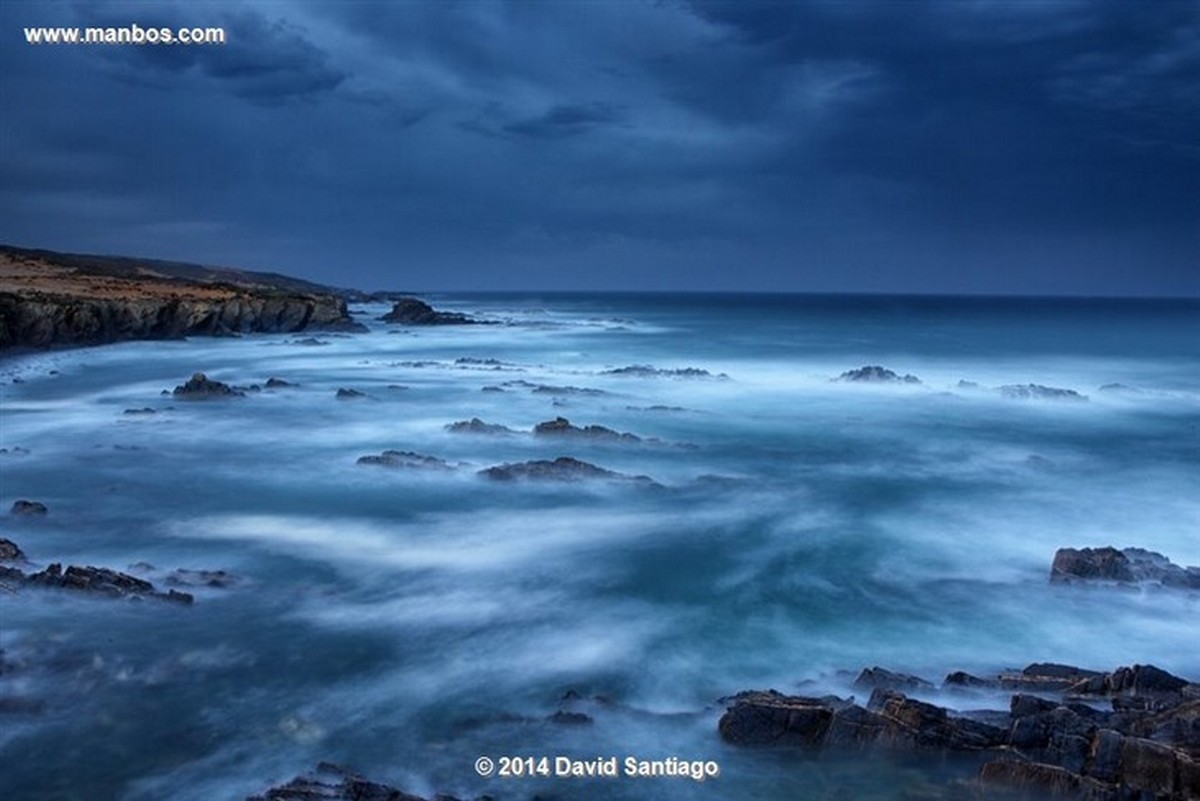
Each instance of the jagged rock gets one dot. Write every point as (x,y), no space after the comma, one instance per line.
(771,718)
(545,389)
(649,371)
(334,783)
(477,426)
(1039,392)
(349,394)
(562,427)
(1130,565)
(405,459)
(874,677)
(9,552)
(200,386)
(564,468)
(29,508)
(101,581)
(875,374)
(411,311)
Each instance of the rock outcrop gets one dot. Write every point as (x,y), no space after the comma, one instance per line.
(477,426)
(562,427)
(1127,566)
(875,374)
(564,468)
(1146,747)
(26,508)
(96,581)
(411,311)
(1039,392)
(201,387)
(58,300)
(334,783)
(405,460)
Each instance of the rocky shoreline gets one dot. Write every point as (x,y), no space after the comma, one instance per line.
(52,300)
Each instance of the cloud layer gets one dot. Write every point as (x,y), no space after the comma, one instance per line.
(1049,147)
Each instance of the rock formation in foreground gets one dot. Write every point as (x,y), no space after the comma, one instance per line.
(55,299)
(1146,745)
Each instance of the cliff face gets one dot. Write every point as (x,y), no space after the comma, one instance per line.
(46,302)
(48,320)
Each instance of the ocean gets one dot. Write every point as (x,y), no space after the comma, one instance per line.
(405,622)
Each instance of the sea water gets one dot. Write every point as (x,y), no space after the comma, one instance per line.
(407,622)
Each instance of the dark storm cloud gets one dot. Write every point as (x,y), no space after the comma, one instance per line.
(919,146)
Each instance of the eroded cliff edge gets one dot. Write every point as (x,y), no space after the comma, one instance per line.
(60,300)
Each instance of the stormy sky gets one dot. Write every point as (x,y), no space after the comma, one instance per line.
(972,146)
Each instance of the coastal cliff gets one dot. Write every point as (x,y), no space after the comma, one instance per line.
(60,300)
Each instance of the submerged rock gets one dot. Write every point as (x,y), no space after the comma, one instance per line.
(545,389)
(411,311)
(1039,392)
(29,508)
(477,426)
(405,459)
(278,383)
(564,468)
(349,394)
(217,579)
(875,374)
(100,581)
(334,783)
(650,371)
(1127,566)
(200,386)
(562,427)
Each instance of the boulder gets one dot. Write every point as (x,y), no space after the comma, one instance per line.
(200,386)
(349,394)
(477,426)
(562,427)
(27,508)
(871,678)
(278,383)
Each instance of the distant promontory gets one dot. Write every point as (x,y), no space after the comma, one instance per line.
(50,299)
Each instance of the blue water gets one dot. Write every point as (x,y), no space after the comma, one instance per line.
(407,622)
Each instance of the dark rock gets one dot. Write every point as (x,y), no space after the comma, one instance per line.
(101,581)
(349,394)
(564,468)
(1039,392)
(874,677)
(9,552)
(875,374)
(492,389)
(405,459)
(141,411)
(470,361)
(565,718)
(562,427)
(544,389)
(200,386)
(334,783)
(649,371)
(218,579)
(1048,779)
(1126,566)
(1148,766)
(477,426)
(931,727)
(770,718)
(961,678)
(29,508)
(309,341)
(411,311)
(278,383)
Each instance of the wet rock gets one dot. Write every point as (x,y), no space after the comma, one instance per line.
(1130,565)
(471,361)
(200,386)
(349,394)
(771,718)
(649,371)
(1039,392)
(101,581)
(562,427)
(309,342)
(493,389)
(405,459)
(27,508)
(477,426)
(874,677)
(9,552)
(334,783)
(875,374)
(278,383)
(411,311)
(217,579)
(564,468)
(142,411)
(545,389)
(565,718)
